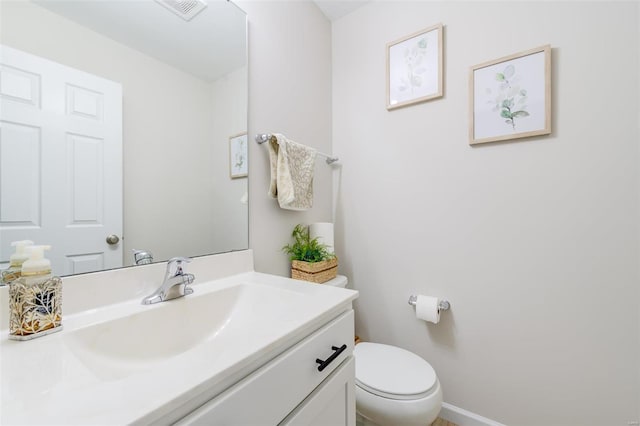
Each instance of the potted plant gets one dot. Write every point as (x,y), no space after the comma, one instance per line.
(310,259)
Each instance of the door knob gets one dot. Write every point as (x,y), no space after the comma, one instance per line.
(113,239)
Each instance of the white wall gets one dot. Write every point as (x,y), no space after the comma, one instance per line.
(167,127)
(289,93)
(229,117)
(535,242)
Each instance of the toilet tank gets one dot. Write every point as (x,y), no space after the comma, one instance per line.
(338,281)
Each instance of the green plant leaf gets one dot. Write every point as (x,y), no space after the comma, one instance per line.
(500,76)
(306,248)
(520,114)
(506,114)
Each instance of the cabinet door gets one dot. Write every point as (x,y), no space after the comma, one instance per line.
(332,403)
(269,394)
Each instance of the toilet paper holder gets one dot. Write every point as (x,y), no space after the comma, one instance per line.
(443,305)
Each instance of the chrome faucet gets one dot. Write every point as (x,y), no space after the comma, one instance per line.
(175,282)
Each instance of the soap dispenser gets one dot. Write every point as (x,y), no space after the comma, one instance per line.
(13,272)
(35,299)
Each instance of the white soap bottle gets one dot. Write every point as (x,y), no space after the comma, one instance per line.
(35,299)
(13,272)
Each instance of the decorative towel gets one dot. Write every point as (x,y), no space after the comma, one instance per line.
(292,166)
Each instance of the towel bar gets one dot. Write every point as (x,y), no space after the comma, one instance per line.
(265,137)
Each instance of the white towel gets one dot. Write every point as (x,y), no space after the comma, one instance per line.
(292,167)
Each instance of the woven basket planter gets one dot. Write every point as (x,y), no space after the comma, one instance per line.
(316,272)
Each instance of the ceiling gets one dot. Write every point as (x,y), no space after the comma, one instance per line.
(335,9)
(209,46)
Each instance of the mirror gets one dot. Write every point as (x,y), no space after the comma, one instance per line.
(182,87)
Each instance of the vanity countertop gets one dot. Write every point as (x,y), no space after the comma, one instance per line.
(203,343)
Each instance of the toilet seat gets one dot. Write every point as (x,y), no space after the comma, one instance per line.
(392,372)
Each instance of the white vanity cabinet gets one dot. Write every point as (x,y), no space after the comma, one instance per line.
(290,389)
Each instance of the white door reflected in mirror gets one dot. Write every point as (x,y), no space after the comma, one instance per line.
(61,158)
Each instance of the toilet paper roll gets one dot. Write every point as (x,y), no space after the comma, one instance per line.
(323,231)
(427,308)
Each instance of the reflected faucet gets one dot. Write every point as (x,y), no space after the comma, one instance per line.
(142,257)
(175,282)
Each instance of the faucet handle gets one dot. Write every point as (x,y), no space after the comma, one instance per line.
(174,265)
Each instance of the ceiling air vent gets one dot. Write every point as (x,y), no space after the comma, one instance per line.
(186,9)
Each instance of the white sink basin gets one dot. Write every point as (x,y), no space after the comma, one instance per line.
(116,348)
(154,363)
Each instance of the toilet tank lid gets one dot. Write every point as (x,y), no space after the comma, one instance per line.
(338,281)
(392,372)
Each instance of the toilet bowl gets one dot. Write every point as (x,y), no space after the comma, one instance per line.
(394,387)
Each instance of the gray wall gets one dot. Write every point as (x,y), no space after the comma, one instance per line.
(534,242)
(289,93)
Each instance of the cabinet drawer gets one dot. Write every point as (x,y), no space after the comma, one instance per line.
(267,395)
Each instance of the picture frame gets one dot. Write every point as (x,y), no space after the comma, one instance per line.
(238,156)
(415,68)
(510,97)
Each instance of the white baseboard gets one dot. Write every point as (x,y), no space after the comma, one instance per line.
(463,417)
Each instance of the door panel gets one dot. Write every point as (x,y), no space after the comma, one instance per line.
(61,139)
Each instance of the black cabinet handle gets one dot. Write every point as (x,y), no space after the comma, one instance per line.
(334,355)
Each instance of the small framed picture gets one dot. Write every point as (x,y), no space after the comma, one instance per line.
(414,68)
(510,97)
(238,155)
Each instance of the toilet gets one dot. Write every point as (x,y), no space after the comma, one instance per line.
(394,387)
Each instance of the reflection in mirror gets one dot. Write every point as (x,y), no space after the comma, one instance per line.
(116,122)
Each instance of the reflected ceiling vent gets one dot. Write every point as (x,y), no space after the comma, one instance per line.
(186,9)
